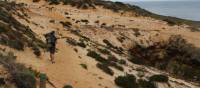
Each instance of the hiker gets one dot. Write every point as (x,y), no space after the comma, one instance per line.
(51,44)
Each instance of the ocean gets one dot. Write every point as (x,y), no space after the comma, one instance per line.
(181,9)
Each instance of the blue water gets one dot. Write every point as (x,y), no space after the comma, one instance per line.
(181,9)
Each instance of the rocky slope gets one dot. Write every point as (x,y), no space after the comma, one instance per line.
(99,46)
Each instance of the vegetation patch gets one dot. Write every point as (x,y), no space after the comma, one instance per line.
(146,84)
(66,24)
(108,43)
(96,56)
(127,81)
(54,2)
(22,77)
(175,56)
(121,39)
(71,41)
(112,58)
(159,78)
(81,44)
(84,66)
(171,22)
(104,51)
(122,62)
(116,66)
(18,36)
(105,68)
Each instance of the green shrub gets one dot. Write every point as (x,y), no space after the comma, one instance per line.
(36,0)
(18,36)
(170,22)
(127,81)
(81,44)
(22,77)
(112,58)
(158,78)
(175,55)
(84,66)
(66,24)
(71,41)
(84,21)
(121,39)
(24,80)
(104,51)
(105,68)
(146,84)
(54,2)
(122,62)
(96,56)
(115,65)
(108,43)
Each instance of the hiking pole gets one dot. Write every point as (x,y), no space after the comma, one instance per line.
(43,80)
(51,83)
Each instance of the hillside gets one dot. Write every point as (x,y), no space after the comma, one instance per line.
(101,44)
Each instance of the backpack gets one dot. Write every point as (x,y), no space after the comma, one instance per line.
(50,39)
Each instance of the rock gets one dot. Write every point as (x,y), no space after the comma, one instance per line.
(67,86)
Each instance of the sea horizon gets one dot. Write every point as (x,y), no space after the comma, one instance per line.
(181,9)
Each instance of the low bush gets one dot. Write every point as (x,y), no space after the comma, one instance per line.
(104,51)
(121,39)
(171,22)
(81,44)
(84,66)
(122,62)
(112,58)
(105,68)
(85,21)
(146,84)
(24,80)
(108,43)
(159,78)
(54,2)
(175,55)
(36,0)
(22,76)
(116,66)
(18,36)
(127,81)
(71,41)
(16,44)
(66,24)
(96,56)
(52,21)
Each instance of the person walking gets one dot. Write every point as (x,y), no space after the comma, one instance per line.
(51,44)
